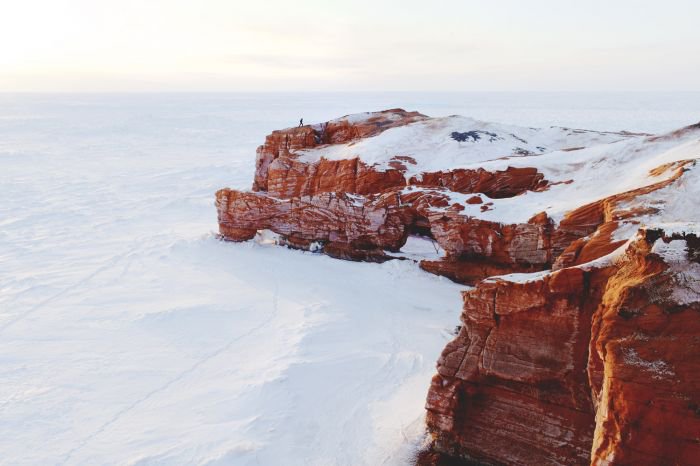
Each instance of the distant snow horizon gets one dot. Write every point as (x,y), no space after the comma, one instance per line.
(321,45)
(649,112)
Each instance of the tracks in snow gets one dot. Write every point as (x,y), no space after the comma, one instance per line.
(182,375)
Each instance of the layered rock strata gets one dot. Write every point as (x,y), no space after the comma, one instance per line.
(581,340)
(529,380)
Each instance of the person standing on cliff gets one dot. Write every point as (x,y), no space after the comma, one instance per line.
(301,122)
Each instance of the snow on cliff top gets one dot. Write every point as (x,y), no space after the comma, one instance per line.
(587,165)
(362,117)
(596,173)
(455,142)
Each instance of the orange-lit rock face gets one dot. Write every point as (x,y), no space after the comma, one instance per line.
(276,158)
(590,356)
(475,248)
(349,225)
(645,356)
(512,387)
(288,178)
(306,219)
(498,184)
(586,232)
(529,380)
(280,173)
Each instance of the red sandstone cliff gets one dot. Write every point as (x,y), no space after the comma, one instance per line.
(644,358)
(574,360)
(278,172)
(529,380)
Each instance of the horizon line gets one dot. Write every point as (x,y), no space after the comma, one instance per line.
(609,91)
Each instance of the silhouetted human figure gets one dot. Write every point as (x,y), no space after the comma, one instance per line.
(301,122)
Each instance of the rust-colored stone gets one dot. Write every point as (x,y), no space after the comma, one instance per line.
(278,172)
(645,359)
(595,361)
(512,387)
(343,222)
(529,380)
(498,184)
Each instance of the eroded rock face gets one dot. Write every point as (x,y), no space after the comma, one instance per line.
(278,172)
(644,364)
(344,225)
(428,203)
(499,184)
(340,206)
(288,178)
(529,380)
(512,387)
(590,353)
(586,233)
(477,249)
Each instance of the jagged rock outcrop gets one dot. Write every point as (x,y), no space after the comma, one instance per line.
(476,249)
(279,172)
(306,165)
(644,358)
(512,387)
(306,201)
(582,344)
(499,184)
(586,233)
(344,225)
(529,380)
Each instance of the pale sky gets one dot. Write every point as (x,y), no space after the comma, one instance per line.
(355,45)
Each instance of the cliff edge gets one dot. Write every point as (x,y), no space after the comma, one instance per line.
(580,341)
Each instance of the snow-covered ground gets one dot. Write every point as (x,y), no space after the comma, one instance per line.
(130,335)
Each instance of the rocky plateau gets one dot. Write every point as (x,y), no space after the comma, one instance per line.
(580,252)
